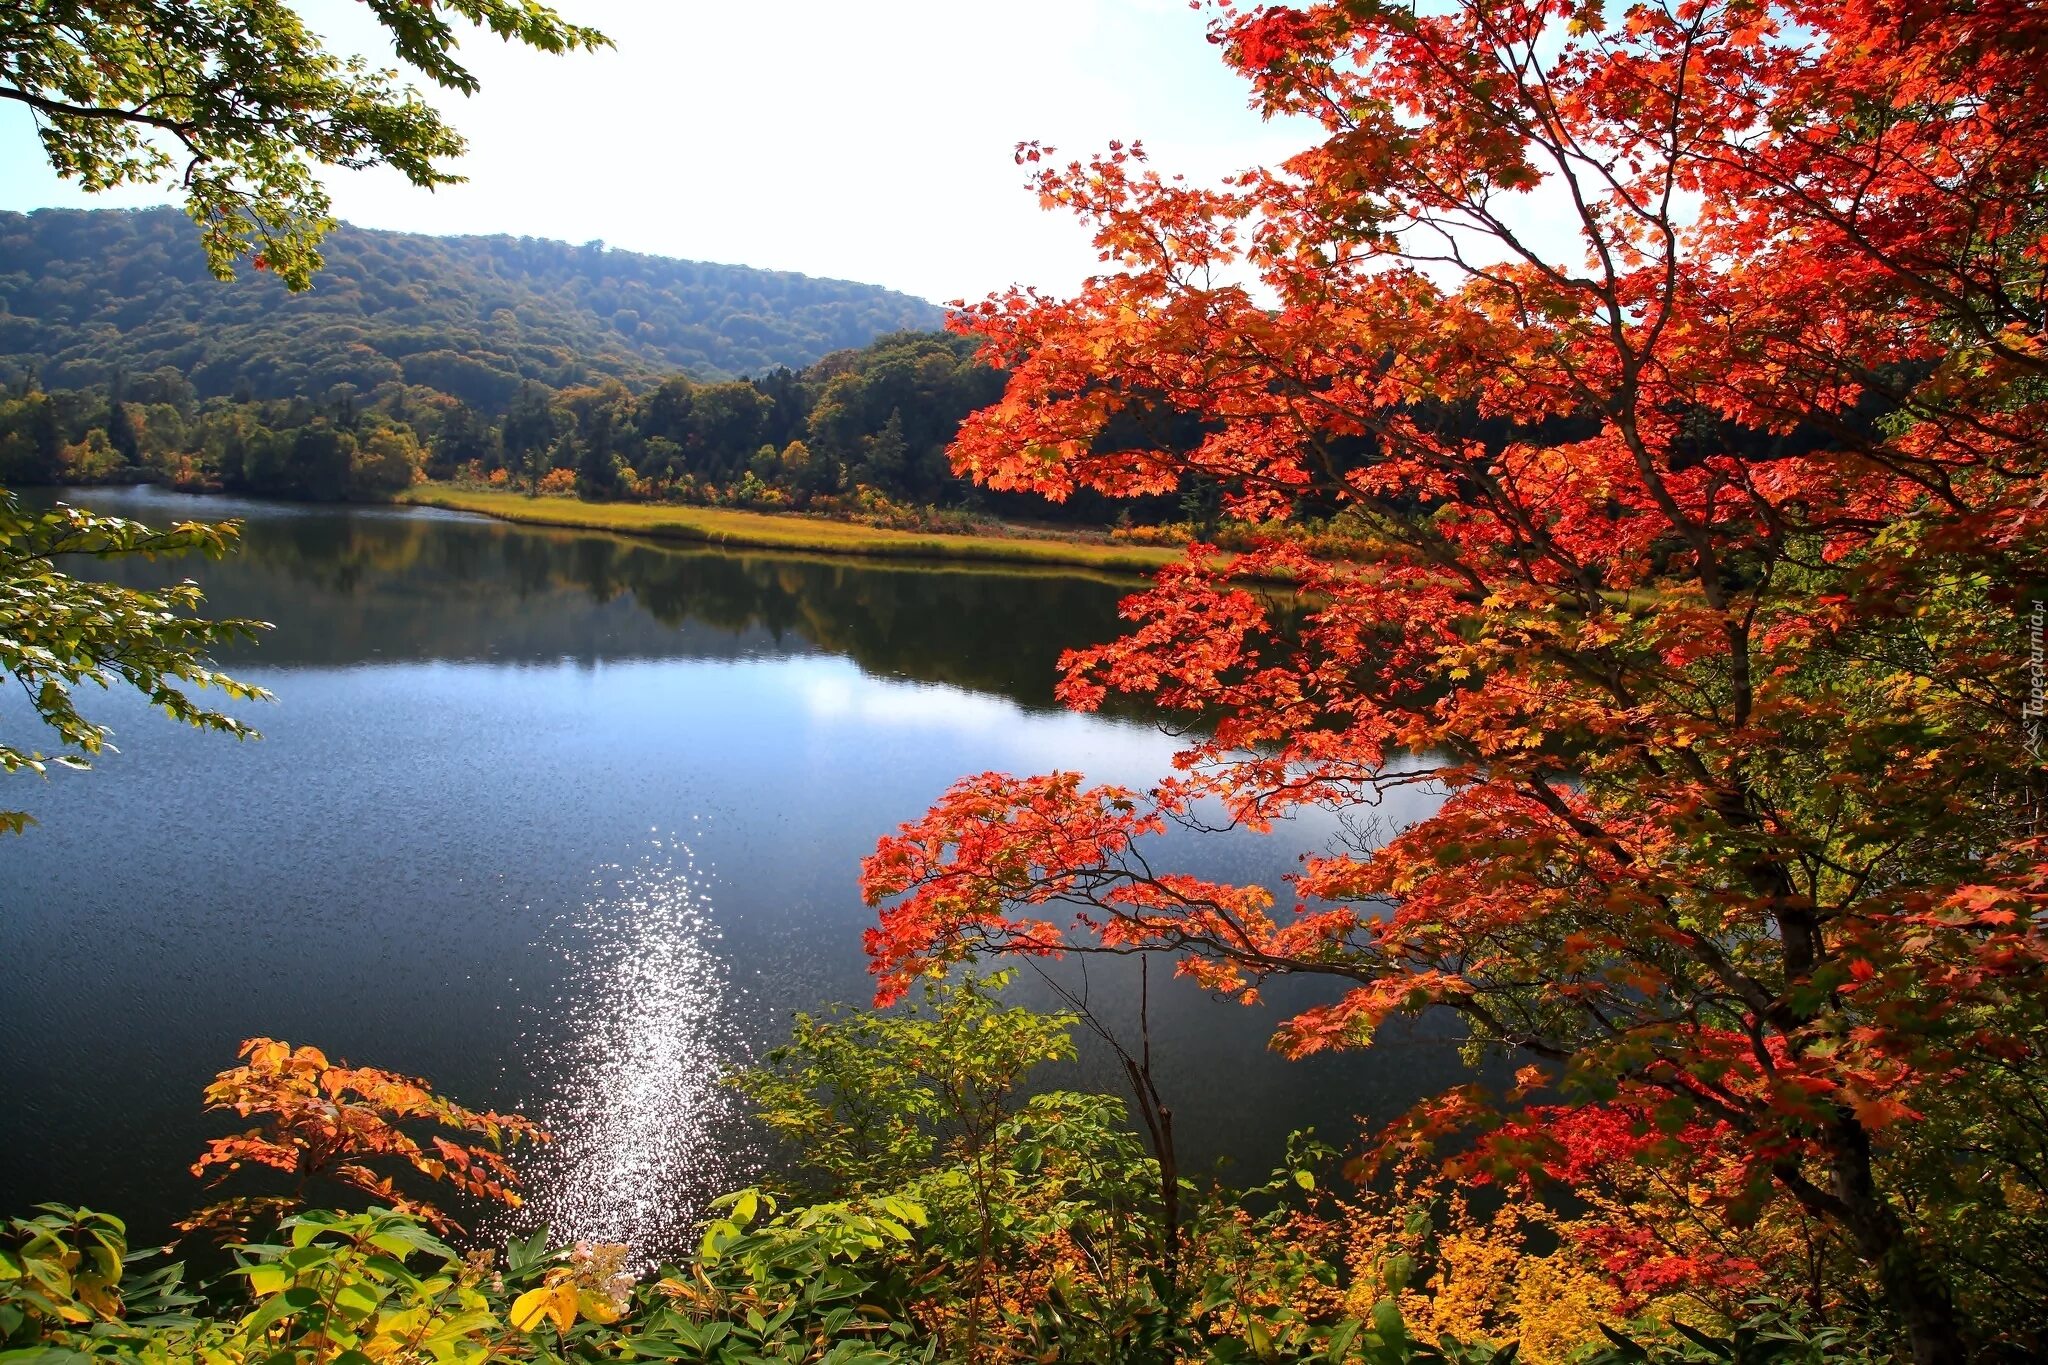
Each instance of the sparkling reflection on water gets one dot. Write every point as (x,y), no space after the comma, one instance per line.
(638,1035)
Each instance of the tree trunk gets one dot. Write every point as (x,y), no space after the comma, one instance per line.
(1911,1285)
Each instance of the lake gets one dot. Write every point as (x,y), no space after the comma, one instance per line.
(567,824)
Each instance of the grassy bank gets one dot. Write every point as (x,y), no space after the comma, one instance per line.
(786,531)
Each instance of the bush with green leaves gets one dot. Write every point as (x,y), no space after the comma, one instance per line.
(1773,1331)
(809,1284)
(945,1213)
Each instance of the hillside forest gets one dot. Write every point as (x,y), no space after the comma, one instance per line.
(85,296)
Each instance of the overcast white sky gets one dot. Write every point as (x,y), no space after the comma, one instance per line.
(862,141)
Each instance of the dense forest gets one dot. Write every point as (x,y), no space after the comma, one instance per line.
(84,295)
(877,419)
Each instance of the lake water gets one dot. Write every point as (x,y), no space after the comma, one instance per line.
(567,824)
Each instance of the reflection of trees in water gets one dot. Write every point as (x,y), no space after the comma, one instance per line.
(352,586)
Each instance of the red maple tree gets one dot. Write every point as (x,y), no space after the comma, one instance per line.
(1708,546)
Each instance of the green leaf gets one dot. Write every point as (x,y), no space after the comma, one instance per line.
(357,1300)
(295,1300)
(1387,1323)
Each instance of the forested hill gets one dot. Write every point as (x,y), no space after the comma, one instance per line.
(86,293)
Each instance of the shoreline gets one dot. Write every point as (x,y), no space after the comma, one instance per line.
(729,528)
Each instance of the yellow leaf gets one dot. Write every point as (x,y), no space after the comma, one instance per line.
(554,1302)
(596,1307)
(528,1308)
(265,1280)
(101,1298)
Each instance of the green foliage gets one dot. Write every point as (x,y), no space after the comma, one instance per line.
(867,1100)
(810,1283)
(1771,1332)
(57,632)
(813,1284)
(489,350)
(378,1286)
(240,105)
(334,1287)
(1029,1228)
(83,294)
(70,1288)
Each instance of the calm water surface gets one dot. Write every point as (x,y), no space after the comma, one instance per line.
(567,824)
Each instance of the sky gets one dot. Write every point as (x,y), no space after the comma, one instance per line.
(866,141)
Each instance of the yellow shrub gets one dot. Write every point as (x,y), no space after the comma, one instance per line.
(1517,1276)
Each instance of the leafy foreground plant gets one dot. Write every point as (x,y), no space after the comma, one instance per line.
(57,632)
(956,1220)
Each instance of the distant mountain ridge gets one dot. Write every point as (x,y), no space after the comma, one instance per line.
(84,293)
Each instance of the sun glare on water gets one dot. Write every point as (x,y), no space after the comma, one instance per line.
(634,1045)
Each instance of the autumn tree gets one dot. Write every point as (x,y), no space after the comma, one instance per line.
(597,470)
(545,459)
(387,458)
(321,1122)
(1710,537)
(464,436)
(31,438)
